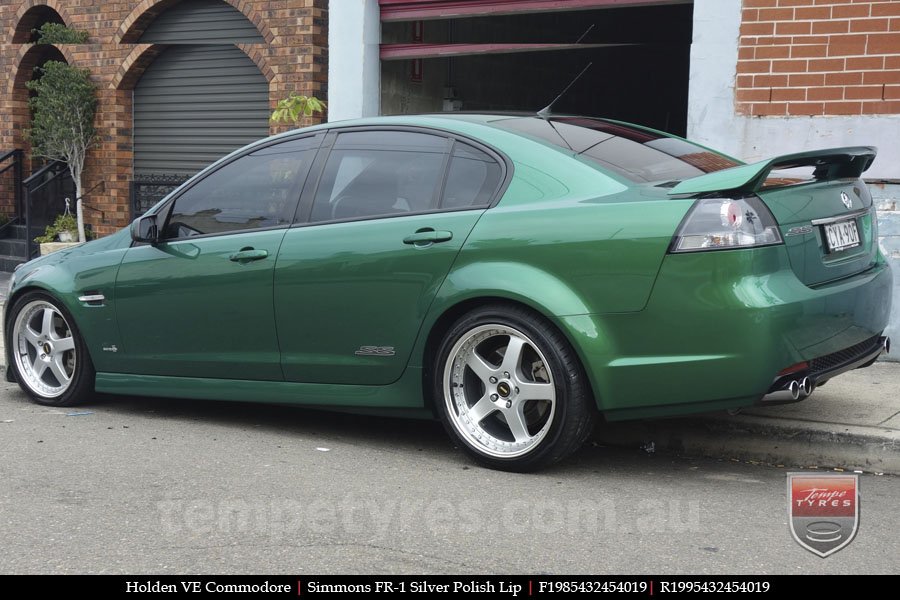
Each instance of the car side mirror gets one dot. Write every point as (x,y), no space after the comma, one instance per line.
(145,229)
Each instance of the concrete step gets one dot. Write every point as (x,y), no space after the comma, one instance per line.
(12,247)
(17,232)
(9,263)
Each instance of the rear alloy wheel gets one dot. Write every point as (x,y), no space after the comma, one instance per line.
(48,356)
(511,389)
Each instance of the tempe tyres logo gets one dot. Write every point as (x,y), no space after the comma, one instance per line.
(823,509)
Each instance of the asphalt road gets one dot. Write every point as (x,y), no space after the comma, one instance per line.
(130,485)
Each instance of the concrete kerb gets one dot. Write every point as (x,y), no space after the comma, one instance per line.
(781,442)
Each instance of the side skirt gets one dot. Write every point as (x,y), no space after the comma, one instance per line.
(405,393)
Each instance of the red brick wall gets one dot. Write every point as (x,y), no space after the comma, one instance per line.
(294,58)
(819,57)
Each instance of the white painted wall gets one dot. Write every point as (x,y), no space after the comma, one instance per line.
(354,66)
(712,120)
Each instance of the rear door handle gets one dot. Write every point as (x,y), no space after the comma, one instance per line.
(246,255)
(428,236)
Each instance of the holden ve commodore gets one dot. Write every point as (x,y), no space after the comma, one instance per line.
(515,276)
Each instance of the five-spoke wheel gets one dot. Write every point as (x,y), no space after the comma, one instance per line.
(511,389)
(47,355)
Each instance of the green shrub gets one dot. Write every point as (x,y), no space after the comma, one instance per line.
(56,33)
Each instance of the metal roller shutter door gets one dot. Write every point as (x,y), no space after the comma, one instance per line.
(195,104)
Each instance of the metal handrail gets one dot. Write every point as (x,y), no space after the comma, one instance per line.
(16,152)
(56,166)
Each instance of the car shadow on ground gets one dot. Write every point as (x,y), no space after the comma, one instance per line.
(404,435)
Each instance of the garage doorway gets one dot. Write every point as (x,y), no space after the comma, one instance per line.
(640,57)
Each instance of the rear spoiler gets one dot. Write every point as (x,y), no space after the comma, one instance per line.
(833,163)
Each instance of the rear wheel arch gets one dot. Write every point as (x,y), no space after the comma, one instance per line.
(452,314)
(538,425)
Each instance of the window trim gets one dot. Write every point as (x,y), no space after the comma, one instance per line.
(307,199)
(165,210)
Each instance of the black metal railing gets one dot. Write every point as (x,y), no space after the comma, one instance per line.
(148,189)
(15,158)
(44,198)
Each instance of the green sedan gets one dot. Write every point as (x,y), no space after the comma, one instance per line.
(514,276)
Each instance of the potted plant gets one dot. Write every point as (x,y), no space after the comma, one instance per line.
(64,229)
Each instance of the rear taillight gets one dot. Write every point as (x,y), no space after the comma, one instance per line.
(726,223)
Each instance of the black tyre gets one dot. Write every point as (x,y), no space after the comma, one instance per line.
(511,390)
(48,355)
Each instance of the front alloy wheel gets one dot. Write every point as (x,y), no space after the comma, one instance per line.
(48,357)
(512,390)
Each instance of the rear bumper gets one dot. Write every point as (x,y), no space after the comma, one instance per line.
(719,328)
(798,385)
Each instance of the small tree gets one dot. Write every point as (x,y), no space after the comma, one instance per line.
(62,127)
(296,106)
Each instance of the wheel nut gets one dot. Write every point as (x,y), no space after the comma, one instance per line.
(493,379)
(517,390)
(494,397)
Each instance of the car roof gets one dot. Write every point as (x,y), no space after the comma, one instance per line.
(458,122)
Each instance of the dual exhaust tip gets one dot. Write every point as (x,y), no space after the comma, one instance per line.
(801,388)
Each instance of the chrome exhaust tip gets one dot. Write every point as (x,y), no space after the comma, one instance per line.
(806,387)
(886,344)
(794,389)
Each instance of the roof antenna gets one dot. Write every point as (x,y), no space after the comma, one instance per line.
(547,110)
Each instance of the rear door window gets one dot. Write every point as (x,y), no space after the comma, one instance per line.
(378,173)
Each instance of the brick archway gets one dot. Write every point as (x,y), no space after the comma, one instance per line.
(27,58)
(121,89)
(148,10)
(143,55)
(27,16)
(134,65)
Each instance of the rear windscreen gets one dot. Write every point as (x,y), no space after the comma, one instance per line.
(636,154)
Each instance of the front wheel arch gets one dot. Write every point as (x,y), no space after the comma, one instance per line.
(81,385)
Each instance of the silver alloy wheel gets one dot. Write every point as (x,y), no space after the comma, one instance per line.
(45,349)
(499,391)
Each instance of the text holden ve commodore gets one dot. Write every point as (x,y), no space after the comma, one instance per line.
(514,275)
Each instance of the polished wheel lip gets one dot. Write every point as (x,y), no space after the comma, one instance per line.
(466,419)
(50,350)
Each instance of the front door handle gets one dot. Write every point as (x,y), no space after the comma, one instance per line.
(428,236)
(246,255)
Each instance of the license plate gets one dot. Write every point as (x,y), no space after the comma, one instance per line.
(841,235)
